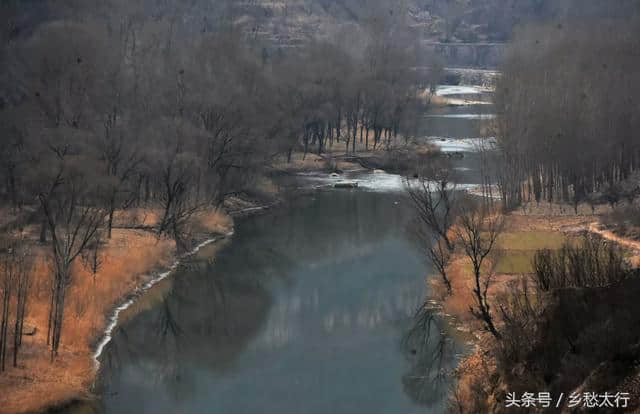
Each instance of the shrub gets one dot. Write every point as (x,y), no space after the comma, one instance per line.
(520,308)
(625,220)
(593,263)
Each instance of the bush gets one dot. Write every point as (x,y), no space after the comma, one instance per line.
(625,220)
(520,308)
(593,263)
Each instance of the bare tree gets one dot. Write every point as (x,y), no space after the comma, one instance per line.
(23,261)
(73,218)
(14,285)
(13,155)
(435,202)
(177,177)
(552,117)
(477,231)
(440,256)
(7,282)
(91,255)
(120,161)
(103,106)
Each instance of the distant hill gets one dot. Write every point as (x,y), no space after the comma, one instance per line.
(289,22)
(465,33)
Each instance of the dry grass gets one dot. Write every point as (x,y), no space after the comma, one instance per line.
(632,244)
(214,221)
(533,227)
(129,260)
(313,162)
(523,235)
(266,186)
(330,159)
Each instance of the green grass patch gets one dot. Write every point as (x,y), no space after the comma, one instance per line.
(531,240)
(515,250)
(510,262)
(515,262)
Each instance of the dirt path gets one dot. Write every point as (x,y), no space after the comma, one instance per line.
(609,235)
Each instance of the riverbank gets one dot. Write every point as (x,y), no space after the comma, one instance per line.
(279,313)
(480,384)
(400,157)
(131,259)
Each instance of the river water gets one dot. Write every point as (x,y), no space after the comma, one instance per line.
(308,308)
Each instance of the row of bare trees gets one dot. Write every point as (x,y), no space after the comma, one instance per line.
(108,106)
(448,220)
(365,91)
(15,281)
(567,119)
(521,315)
(566,129)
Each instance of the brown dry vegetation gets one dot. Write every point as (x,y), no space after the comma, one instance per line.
(401,158)
(517,226)
(336,156)
(312,162)
(437,100)
(478,383)
(130,258)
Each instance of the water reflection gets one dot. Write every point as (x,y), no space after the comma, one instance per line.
(432,354)
(456,122)
(158,348)
(302,312)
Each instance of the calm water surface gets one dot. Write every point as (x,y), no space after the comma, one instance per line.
(308,309)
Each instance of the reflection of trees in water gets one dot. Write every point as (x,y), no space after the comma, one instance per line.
(205,320)
(431,355)
(167,325)
(154,350)
(332,226)
(213,307)
(168,337)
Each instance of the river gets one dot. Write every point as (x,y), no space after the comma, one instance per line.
(308,308)
(305,310)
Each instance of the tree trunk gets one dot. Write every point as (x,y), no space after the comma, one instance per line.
(366,140)
(289,155)
(43,230)
(12,188)
(17,333)
(110,220)
(353,146)
(3,327)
